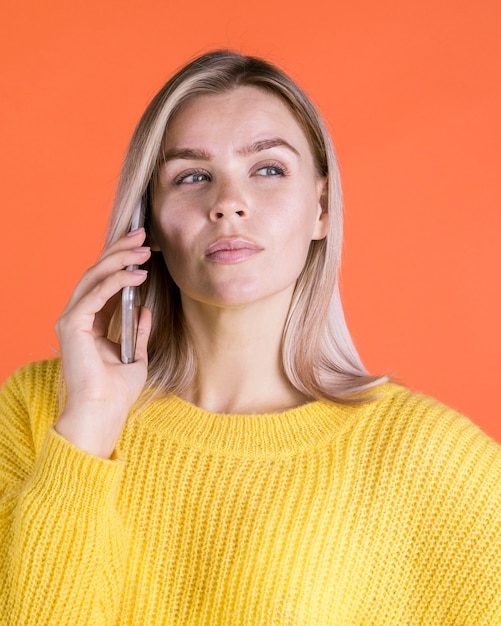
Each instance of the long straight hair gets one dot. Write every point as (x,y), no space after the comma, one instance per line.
(318,355)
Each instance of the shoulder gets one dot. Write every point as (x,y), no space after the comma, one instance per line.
(413,414)
(29,398)
(418,440)
(38,379)
(432,480)
(417,436)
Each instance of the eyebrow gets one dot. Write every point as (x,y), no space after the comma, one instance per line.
(266,144)
(197,154)
(186,153)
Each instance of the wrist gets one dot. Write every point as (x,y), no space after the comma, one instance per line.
(91,431)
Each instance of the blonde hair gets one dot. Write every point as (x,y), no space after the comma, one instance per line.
(318,355)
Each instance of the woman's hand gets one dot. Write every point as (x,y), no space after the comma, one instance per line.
(100,389)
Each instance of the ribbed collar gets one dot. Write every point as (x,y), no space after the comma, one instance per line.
(269,434)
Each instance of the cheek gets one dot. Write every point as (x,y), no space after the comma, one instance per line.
(176,250)
(171,225)
(295,221)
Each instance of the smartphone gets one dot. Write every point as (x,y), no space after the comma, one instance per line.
(129,304)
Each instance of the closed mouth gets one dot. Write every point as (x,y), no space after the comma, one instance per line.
(232,249)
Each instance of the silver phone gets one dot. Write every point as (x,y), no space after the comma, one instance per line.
(129,304)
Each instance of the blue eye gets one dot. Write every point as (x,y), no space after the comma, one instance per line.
(271,170)
(192,177)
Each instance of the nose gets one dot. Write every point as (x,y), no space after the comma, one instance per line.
(229,202)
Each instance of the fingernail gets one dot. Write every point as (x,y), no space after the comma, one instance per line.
(141,272)
(135,232)
(141,249)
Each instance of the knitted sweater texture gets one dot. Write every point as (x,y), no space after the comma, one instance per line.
(386,513)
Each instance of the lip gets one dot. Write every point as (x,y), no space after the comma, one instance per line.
(231,250)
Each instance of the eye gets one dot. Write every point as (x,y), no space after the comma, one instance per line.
(192,177)
(271,170)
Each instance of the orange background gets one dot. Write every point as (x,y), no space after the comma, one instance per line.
(412,94)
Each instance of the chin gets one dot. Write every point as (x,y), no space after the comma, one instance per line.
(233,296)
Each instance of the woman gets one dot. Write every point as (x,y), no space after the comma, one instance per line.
(245,469)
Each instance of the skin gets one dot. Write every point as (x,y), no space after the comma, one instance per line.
(239,169)
(225,177)
(230,193)
(100,389)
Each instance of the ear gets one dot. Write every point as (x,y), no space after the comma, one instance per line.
(322,223)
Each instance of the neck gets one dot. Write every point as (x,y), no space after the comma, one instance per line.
(239,358)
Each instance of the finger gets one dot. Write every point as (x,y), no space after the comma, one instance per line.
(106,266)
(133,239)
(103,317)
(129,243)
(143,333)
(82,316)
(112,262)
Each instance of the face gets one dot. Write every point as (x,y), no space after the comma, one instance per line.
(237,201)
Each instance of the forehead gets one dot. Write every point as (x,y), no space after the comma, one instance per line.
(243,112)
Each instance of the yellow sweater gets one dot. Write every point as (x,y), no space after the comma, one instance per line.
(387,513)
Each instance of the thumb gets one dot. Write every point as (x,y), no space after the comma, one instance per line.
(143,333)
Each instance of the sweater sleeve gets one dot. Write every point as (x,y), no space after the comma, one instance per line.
(62,543)
(456,546)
